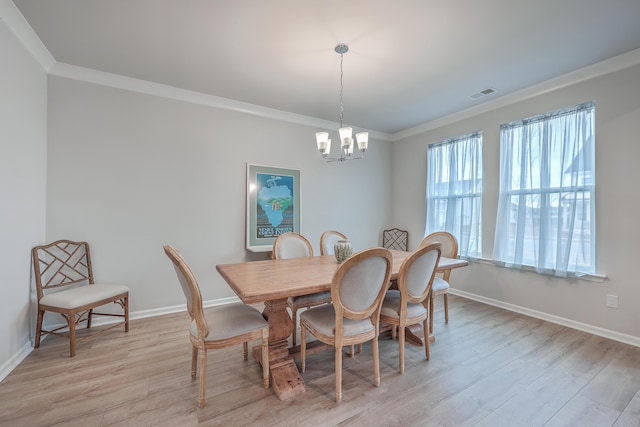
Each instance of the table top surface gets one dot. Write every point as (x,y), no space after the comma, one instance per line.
(258,281)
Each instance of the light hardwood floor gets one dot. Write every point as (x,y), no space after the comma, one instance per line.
(489,367)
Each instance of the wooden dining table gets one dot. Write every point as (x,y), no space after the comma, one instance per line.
(273,282)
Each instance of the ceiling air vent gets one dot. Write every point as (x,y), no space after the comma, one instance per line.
(485,92)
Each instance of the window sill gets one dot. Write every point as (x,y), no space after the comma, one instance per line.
(598,278)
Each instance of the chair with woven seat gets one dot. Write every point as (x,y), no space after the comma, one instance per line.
(409,304)
(328,240)
(65,285)
(294,245)
(395,239)
(357,289)
(441,284)
(217,327)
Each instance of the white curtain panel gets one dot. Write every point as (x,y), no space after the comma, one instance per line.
(454,191)
(546,207)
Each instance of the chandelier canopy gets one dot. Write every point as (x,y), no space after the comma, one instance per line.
(346,133)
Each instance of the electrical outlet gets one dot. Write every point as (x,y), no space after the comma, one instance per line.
(612,301)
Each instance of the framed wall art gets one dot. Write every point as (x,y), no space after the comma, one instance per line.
(273,205)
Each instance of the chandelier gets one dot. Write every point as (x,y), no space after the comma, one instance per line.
(346,133)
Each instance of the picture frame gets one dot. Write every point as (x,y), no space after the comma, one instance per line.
(273,205)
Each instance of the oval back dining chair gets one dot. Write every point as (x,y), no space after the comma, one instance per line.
(409,304)
(328,240)
(357,289)
(294,245)
(217,327)
(441,284)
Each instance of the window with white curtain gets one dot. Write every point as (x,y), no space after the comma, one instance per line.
(454,191)
(546,205)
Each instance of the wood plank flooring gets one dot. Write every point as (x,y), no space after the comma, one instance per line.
(488,367)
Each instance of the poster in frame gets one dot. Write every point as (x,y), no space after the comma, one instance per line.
(273,205)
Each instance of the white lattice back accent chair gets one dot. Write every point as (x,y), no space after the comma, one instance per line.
(440,286)
(65,285)
(294,245)
(409,304)
(217,327)
(328,240)
(357,290)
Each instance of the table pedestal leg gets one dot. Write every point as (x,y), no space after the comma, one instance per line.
(285,378)
(415,335)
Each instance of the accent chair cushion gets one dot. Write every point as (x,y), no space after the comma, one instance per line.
(82,295)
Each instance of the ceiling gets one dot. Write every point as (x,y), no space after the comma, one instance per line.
(409,61)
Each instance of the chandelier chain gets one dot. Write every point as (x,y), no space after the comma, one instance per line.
(341,86)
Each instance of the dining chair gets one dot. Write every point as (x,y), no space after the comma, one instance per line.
(409,304)
(294,245)
(396,239)
(65,285)
(328,240)
(357,289)
(217,327)
(441,284)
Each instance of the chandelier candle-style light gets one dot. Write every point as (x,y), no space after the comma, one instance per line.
(346,133)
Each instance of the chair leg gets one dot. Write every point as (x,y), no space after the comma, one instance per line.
(265,357)
(194,362)
(126,314)
(89,318)
(71,320)
(39,328)
(338,352)
(294,319)
(427,345)
(245,350)
(376,361)
(446,308)
(303,348)
(431,313)
(202,378)
(401,347)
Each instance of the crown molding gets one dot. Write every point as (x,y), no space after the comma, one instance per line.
(13,19)
(607,66)
(102,78)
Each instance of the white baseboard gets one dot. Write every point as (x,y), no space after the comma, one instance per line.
(27,348)
(605,333)
(15,360)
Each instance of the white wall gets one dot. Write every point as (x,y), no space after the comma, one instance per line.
(23,121)
(130,172)
(617,98)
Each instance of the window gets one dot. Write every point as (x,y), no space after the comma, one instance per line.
(454,191)
(546,204)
